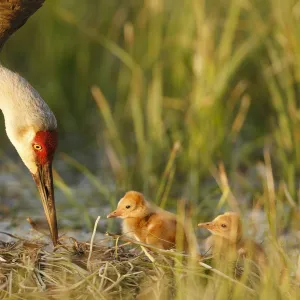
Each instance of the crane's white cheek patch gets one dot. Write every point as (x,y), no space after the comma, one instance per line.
(29,160)
(23,145)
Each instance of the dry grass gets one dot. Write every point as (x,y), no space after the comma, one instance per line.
(198,100)
(117,268)
(29,269)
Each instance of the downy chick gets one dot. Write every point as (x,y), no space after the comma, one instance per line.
(147,224)
(227,239)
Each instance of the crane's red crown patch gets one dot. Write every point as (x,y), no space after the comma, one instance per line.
(48,142)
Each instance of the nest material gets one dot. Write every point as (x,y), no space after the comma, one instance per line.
(29,269)
(110,270)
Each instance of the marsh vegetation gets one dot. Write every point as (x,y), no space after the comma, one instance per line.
(192,102)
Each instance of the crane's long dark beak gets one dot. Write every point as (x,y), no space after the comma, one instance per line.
(44,182)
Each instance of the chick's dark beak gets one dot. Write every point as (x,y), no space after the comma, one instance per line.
(44,182)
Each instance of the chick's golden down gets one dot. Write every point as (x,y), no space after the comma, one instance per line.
(227,238)
(147,224)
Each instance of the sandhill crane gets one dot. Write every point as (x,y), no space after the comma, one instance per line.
(29,122)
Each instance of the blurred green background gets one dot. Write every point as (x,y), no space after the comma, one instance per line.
(178,99)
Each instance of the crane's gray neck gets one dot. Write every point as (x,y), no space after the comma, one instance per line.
(21,104)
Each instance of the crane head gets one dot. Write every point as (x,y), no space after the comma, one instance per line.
(44,146)
(36,145)
(36,149)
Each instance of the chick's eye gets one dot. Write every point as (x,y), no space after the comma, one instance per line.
(224,225)
(127,206)
(37,147)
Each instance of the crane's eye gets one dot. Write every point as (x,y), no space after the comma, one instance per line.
(37,147)
(127,206)
(224,225)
